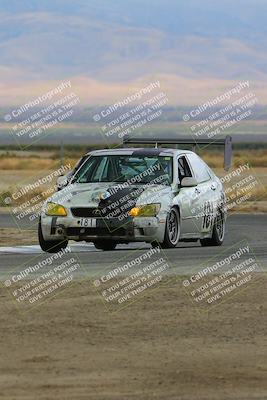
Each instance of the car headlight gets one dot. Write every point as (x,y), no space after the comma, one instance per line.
(147,210)
(56,210)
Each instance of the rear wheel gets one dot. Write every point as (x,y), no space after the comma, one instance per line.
(50,246)
(217,232)
(172,230)
(105,245)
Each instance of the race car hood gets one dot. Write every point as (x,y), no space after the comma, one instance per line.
(101,194)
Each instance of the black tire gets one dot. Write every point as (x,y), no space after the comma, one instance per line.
(218,232)
(50,246)
(105,245)
(172,230)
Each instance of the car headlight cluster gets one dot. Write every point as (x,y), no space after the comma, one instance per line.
(147,210)
(55,210)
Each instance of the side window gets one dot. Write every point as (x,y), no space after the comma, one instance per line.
(200,168)
(183,168)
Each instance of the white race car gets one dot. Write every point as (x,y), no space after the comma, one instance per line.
(155,195)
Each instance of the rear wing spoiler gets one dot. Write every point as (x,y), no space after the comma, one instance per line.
(226,142)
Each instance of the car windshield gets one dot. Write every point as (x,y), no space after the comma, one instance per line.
(126,168)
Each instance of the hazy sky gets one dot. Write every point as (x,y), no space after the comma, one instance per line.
(108,46)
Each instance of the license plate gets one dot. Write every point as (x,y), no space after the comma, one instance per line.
(88,222)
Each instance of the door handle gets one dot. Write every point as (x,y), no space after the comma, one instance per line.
(213,187)
(197,190)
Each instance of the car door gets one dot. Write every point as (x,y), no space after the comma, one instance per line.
(204,204)
(186,198)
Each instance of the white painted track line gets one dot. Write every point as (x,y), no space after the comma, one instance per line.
(36,249)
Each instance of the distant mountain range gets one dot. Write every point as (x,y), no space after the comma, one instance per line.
(109,48)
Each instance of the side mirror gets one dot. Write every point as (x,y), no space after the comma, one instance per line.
(63,181)
(189,182)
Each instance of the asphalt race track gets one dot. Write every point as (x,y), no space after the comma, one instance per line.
(187,258)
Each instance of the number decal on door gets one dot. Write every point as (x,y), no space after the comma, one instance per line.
(207,216)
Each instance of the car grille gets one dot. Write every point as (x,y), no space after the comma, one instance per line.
(84,212)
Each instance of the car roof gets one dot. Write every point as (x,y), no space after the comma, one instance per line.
(146,151)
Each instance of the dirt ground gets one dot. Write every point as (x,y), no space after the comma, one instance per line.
(16,237)
(161,347)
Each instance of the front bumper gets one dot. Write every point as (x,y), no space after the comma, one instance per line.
(131,230)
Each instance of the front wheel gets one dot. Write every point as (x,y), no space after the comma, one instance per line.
(50,246)
(105,245)
(172,230)
(217,232)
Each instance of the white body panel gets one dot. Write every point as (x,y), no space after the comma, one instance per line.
(197,207)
